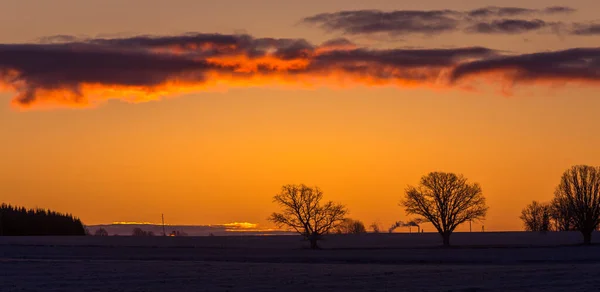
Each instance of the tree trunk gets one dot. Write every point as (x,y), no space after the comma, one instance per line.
(587,237)
(446,238)
(313,242)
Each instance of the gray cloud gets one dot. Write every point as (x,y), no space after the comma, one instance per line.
(489,19)
(394,22)
(493,11)
(579,64)
(508,26)
(406,57)
(424,66)
(559,9)
(586,29)
(339,42)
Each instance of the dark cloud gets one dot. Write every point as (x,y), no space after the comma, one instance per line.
(398,65)
(508,26)
(75,72)
(406,57)
(586,29)
(339,42)
(61,65)
(168,41)
(580,64)
(493,11)
(66,70)
(200,44)
(394,22)
(31,68)
(559,9)
(405,22)
(58,39)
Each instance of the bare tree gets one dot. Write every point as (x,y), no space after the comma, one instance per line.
(304,213)
(579,194)
(351,226)
(561,214)
(375,227)
(446,200)
(140,232)
(101,232)
(536,216)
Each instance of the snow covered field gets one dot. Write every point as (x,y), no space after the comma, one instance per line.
(510,261)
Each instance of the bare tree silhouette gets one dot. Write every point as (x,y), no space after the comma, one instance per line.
(139,232)
(536,216)
(351,226)
(562,214)
(375,227)
(304,213)
(446,200)
(579,195)
(101,232)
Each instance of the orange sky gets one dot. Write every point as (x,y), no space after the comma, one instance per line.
(219,156)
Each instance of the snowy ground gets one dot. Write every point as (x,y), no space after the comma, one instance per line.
(396,262)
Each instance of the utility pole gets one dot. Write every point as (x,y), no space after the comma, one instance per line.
(163,224)
(470,229)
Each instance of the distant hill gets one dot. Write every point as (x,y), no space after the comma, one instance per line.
(19,221)
(186,230)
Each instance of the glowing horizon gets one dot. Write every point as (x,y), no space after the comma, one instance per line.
(233,225)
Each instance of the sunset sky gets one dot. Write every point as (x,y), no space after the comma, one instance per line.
(201,110)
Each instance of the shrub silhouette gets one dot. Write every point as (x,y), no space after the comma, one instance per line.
(15,221)
(351,226)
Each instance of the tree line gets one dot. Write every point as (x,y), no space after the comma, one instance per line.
(15,221)
(446,200)
(575,206)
